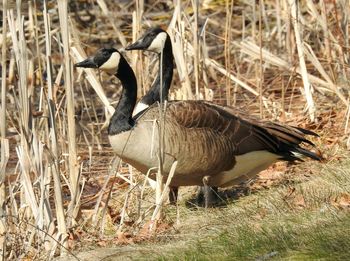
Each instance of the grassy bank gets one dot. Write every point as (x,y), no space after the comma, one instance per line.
(304,217)
(302,220)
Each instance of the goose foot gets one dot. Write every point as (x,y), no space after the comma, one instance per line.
(173,195)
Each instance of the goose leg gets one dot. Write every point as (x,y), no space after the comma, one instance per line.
(210,196)
(173,195)
(207,194)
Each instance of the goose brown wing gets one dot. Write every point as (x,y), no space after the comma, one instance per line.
(245,133)
(289,138)
(243,136)
(286,133)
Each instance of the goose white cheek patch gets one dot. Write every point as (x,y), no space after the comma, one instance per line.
(112,63)
(157,44)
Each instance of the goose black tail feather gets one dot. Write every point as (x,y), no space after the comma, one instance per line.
(289,140)
(307,132)
(290,134)
(308,153)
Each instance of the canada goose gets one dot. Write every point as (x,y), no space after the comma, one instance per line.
(210,143)
(157,40)
(156,93)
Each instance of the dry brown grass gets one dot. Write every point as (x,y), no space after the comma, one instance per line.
(57,183)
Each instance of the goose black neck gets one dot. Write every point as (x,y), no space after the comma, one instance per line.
(166,67)
(122,118)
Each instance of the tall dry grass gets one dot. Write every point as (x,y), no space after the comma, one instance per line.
(285,60)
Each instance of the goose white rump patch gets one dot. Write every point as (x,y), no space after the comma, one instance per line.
(157,44)
(247,165)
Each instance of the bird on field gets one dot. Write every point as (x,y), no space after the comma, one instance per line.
(213,145)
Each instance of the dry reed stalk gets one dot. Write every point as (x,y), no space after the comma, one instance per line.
(214,64)
(4,141)
(135,57)
(157,211)
(109,15)
(316,63)
(295,14)
(161,153)
(221,69)
(278,22)
(140,63)
(36,37)
(177,36)
(52,137)
(283,106)
(115,167)
(28,199)
(261,71)
(227,49)
(102,192)
(123,211)
(74,174)
(196,46)
(344,29)
(208,93)
(253,50)
(323,16)
(347,117)
(344,26)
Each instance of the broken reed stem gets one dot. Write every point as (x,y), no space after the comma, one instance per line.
(73,166)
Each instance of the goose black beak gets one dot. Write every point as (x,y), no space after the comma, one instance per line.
(138,45)
(87,63)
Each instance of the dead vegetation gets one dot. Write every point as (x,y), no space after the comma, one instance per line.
(61,187)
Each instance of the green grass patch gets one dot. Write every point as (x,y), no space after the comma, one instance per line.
(294,238)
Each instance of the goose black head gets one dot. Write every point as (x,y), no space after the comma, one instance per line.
(153,40)
(106,59)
